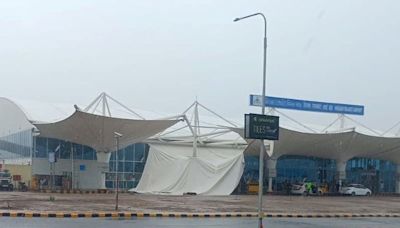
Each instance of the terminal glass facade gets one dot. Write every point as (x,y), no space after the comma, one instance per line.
(296,169)
(63,149)
(131,161)
(378,175)
(17,145)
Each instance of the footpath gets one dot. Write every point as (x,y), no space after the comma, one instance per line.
(94,205)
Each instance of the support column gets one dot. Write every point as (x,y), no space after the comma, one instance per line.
(398,178)
(103,159)
(341,172)
(271,172)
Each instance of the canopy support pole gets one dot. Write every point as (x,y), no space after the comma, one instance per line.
(196,129)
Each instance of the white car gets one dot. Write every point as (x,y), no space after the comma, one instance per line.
(355,190)
(300,189)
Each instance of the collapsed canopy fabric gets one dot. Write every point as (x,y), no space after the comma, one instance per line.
(98,131)
(171,169)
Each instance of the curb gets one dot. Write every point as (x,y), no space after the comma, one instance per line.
(31,214)
(107,191)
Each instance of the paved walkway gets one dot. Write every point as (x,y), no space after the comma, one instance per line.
(37,202)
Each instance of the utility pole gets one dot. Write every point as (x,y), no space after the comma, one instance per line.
(116,136)
(262,147)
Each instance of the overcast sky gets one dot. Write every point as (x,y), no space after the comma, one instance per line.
(161,55)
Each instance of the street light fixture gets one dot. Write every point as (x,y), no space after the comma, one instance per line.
(116,136)
(262,147)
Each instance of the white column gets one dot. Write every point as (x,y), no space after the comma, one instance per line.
(398,178)
(103,159)
(341,171)
(271,168)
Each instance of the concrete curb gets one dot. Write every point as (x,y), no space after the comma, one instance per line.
(40,214)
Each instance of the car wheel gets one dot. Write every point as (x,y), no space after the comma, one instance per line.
(368,194)
(353,193)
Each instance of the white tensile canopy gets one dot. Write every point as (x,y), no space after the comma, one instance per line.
(340,146)
(172,169)
(98,131)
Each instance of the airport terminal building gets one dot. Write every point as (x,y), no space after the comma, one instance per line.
(77,151)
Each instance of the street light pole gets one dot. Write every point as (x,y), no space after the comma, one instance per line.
(262,147)
(116,136)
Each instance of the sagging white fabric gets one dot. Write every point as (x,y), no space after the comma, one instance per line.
(171,169)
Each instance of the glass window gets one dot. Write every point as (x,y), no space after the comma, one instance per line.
(139,167)
(77,151)
(129,153)
(112,157)
(121,155)
(120,166)
(137,176)
(139,152)
(87,153)
(65,150)
(129,176)
(110,176)
(109,184)
(112,166)
(53,144)
(41,147)
(130,184)
(131,162)
(129,167)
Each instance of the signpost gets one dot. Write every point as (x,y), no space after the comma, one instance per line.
(261,127)
(52,160)
(304,105)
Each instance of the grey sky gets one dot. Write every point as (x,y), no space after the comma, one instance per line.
(162,54)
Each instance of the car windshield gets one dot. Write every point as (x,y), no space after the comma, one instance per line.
(5,174)
(355,185)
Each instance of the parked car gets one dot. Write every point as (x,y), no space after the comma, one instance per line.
(355,190)
(5,184)
(5,181)
(300,189)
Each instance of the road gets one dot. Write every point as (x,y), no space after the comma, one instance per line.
(7,222)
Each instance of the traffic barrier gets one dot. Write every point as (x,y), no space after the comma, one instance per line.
(39,214)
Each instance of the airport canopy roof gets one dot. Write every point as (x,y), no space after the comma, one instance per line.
(340,146)
(98,131)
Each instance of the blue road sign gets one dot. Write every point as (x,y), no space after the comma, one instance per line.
(303,105)
(82,167)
